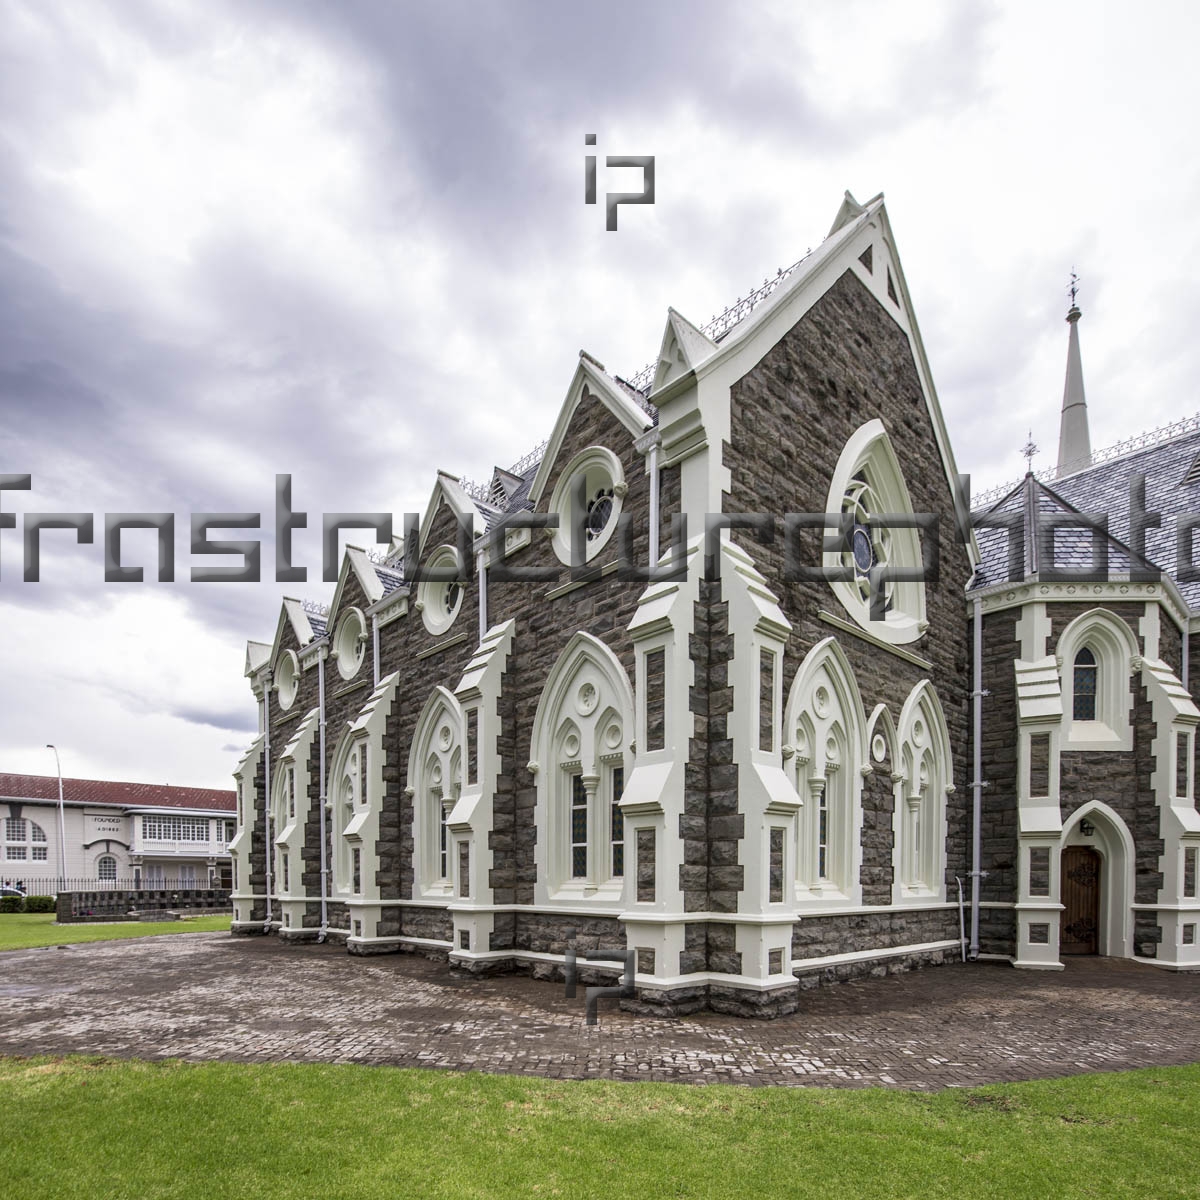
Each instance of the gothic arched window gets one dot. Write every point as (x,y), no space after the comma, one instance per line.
(581,733)
(435,784)
(1084,707)
(824,723)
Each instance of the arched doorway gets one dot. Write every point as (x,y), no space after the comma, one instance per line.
(1095,883)
(1080,928)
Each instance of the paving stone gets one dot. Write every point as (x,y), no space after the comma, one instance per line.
(210,996)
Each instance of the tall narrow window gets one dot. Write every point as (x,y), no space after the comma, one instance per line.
(439,806)
(106,869)
(1085,686)
(286,873)
(823,831)
(618,823)
(579,828)
(357,886)
(291,786)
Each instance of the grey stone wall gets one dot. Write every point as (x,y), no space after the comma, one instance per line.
(845,362)
(819,937)
(998,827)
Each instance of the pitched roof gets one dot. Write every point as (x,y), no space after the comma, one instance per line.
(1073,543)
(114,792)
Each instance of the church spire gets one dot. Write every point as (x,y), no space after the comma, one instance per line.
(1074,441)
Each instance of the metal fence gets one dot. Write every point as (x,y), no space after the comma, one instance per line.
(52,886)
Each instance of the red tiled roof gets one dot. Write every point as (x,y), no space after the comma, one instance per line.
(127,795)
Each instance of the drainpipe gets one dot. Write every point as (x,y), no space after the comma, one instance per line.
(321,801)
(977,785)
(481,571)
(654,517)
(375,648)
(269,849)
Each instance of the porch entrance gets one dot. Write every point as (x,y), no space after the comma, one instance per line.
(1080,929)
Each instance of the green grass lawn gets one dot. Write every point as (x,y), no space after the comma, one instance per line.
(81,1127)
(22,931)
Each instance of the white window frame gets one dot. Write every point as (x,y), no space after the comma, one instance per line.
(924,780)
(597,461)
(1116,650)
(825,731)
(432,594)
(869,451)
(582,727)
(435,784)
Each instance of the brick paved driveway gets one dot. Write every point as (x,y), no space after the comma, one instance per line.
(210,996)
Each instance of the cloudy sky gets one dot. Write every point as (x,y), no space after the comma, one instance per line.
(347,241)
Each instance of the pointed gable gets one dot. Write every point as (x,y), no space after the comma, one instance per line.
(591,383)
(355,562)
(683,348)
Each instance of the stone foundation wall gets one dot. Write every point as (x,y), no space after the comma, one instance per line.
(818,937)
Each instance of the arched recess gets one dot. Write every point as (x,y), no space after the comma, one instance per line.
(434,783)
(868,483)
(578,755)
(348,798)
(826,726)
(924,775)
(881,738)
(1111,839)
(290,809)
(1115,648)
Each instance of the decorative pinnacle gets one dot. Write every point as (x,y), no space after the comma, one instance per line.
(1029,450)
(1073,314)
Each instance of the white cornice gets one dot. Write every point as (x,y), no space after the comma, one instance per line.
(1001,596)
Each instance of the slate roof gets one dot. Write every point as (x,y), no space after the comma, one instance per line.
(1103,491)
(319,624)
(112,792)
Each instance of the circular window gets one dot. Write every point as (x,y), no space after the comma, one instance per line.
(869,547)
(440,600)
(350,643)
(587,498)
(287,679)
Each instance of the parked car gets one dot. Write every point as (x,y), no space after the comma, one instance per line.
(11,891)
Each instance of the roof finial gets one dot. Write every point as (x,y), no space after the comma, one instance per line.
(1074,288)
(1029,450)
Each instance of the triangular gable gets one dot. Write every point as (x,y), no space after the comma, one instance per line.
(355,560)
(463,506)
(589,375)
(683,348)
(291,613)
(258,654)
(850,210)
(856,227)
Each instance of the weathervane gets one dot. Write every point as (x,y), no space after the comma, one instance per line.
(1029,450)
(1074,288)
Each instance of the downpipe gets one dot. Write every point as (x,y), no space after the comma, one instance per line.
(977,783)
(268,849)
(323,933)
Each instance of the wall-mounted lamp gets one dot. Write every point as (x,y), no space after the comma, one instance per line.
(1086,828)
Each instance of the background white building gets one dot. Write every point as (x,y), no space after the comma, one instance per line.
(128,834)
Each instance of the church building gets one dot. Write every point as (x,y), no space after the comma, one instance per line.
(716,679)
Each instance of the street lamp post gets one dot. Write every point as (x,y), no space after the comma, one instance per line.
(62,825)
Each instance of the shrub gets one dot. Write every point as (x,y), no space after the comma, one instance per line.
(40,904)
(12,904)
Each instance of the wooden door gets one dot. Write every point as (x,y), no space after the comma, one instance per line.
(1081,901)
